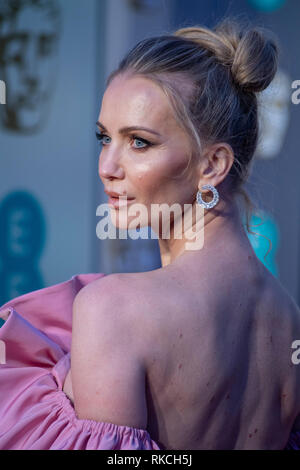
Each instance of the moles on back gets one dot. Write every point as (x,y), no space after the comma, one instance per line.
(219,369)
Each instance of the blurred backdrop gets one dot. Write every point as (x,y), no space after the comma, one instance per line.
(54,58)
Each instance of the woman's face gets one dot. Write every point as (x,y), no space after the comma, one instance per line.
(144,165)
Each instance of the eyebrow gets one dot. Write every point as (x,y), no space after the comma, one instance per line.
(124,130)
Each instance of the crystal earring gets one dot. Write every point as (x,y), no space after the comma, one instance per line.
(213,202)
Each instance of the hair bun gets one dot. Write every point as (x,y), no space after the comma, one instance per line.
(251,52)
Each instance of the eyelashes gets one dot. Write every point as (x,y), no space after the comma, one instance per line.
(100,136)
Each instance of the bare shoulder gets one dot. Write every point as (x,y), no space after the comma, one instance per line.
(100,289)
(284,305)
(277,318)
(121,292)
(280,321)
(106,359)
(118,302)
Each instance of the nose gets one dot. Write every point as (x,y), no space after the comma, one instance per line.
(109,167)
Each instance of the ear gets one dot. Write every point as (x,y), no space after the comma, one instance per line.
(215,163)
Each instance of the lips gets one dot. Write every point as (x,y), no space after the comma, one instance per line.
(117,200)
(114,194)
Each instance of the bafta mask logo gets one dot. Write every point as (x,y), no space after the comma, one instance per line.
(274,116)
(29,34)
(22,241)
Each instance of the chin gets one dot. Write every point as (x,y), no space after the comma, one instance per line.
(121,220)
(118,220)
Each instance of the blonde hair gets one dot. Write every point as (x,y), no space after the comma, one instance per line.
(211,77)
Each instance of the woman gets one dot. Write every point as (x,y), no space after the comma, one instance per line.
(196,354)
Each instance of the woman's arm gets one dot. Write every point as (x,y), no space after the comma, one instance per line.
(108,374)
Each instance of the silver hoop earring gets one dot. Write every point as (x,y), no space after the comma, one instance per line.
(213,202)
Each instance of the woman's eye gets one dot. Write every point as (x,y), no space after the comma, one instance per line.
(100,136)
(141,140)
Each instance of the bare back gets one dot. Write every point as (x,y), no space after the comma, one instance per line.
(219,369)
(220,373)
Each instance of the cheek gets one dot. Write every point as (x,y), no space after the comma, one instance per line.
(163,168)
(143,177)
(171,173)
(145,183)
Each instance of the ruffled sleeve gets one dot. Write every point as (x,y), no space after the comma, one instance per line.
(35,413)
(50,309)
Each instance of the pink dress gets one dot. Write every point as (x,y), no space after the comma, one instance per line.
(35,413)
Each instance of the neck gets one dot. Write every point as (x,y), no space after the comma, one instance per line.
(211,228)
